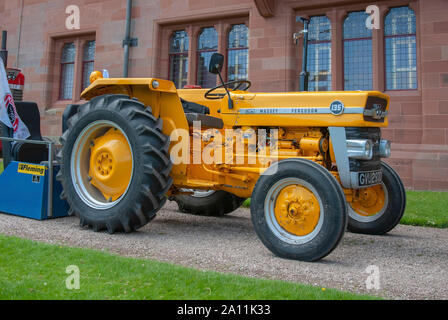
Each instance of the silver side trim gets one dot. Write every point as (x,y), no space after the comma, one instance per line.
(298,110)
(339,141)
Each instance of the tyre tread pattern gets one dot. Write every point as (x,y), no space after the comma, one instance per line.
(155,169)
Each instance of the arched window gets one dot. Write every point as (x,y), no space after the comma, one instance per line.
(179,58)
(357,52)
(319,54)
(400,49)
(67,71)
(238,53)
(207,45)
(88,60)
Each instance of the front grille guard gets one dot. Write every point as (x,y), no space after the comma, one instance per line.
(349,179)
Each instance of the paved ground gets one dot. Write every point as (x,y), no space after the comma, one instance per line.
(413,261)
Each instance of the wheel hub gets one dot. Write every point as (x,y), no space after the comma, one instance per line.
(110,164)
(104,163)
(297,210)
(369,201)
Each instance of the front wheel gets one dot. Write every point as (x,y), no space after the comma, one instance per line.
(298,210)
(378,209)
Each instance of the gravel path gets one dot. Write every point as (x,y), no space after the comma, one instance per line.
(413,261)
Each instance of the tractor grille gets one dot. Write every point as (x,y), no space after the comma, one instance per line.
(373,134)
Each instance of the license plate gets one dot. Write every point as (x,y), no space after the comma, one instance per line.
(370,178)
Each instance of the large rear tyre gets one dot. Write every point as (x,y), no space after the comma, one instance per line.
(378,209)
(298,210)
(208,203)
(115,165)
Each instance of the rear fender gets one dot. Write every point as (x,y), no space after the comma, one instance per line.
(162,98)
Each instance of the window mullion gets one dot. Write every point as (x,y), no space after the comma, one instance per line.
(77,81)
(192,45)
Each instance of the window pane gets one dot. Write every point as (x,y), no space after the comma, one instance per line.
(357,52)
(355,26)
(179,58)
(319,29)
(358,65)
(87,70)
(399,21)
(179,42)
(401,68)
(238,53)
(208,39)
(68,53)
(205,78)
(67,71)
(238,64)
(400,49)
(319,54)
(239,36)
(179,70)
(207,45)
(88,63)
(89,51)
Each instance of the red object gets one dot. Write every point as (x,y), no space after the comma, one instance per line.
(192,86)
(16,79)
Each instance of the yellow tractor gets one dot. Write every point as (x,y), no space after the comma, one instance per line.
(310,162)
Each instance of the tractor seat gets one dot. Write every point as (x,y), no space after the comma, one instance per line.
(193,107)
(27,152)
(206,121)
(198,112)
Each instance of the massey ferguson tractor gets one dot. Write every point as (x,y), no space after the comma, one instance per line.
(310,162)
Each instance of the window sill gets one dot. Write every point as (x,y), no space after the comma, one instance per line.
(404,93)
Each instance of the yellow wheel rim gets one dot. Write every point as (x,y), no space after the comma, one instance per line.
(102,164)
(111,164)
(369,201)
(297,210)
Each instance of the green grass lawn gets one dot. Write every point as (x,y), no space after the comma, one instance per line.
(426,208)
(34,270)
(423,208)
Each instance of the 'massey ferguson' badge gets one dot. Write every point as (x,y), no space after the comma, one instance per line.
(337,108)
(31,169)
(369,178)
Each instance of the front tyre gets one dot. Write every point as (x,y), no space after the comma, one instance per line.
(298,210)
(377,210)
(115,165)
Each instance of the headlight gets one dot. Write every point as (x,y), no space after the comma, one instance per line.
(360,149)
(384,148)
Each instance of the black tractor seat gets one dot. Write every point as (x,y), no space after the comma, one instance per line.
(193,107)
(206,121)
(198,112)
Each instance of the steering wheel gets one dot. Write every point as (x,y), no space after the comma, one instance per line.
(232,85)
